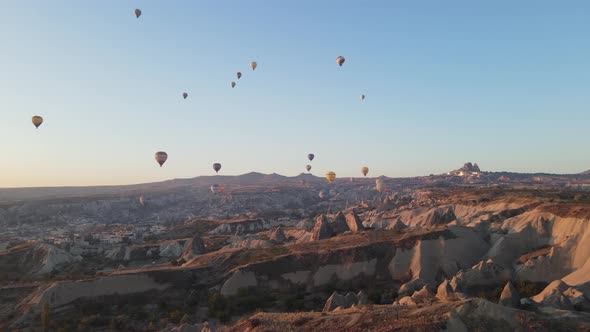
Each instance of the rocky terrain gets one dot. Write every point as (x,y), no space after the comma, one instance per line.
(464,251)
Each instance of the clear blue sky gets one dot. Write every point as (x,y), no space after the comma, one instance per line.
(502,83)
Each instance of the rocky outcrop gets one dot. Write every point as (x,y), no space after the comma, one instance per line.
(431,257)
(239,279)
(354,222)
(339,225)
(277,235)
(337,300)
(321,230)
(397,225)
(560,295)
(444,291)
(509,296)
(405,301)
(427,216)
(412,286)
(578,299)
(61,293)
(171,249)
(553,296)
(193,248)
(249,243)
(483,315)
(27,259)
(362,297)
(53,258)
(484,273)
(423,295)
(345,271)
(325,228)
(242,227)
(306,224)
(470,168)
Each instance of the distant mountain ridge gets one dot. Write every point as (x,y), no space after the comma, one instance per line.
(253,178)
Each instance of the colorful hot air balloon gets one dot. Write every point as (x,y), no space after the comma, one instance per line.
(362,97)
(365,170)
(184,95)
(37,121)
(215,188)
(137,12)
(340,60)
(233,84)
(308,168)
(310,156)
(221,188)
(161,157)
(253,65)
(379,185)
(330,176)
(239,75)
(217,167)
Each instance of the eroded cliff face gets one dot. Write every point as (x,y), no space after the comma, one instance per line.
(453,245)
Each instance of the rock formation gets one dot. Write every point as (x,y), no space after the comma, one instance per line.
(354,223)
(194,247)
(509,296)
(277,235)
(337,300)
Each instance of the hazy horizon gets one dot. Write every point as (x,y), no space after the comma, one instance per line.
(502,84)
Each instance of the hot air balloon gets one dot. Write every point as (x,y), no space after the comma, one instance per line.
(362,97)
(141,200)
(308,168)
(253,65)
(137,12)
(330,176)
(233,84)
(379,185)
(239,75)
(217,167)
(340,60)
(323,194)
(184,95)
(37,121)
(221,188)
(215,188)
(310,156)
(365,170)
(161,157)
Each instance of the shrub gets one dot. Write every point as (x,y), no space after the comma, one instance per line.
(527,288)
(374,296)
